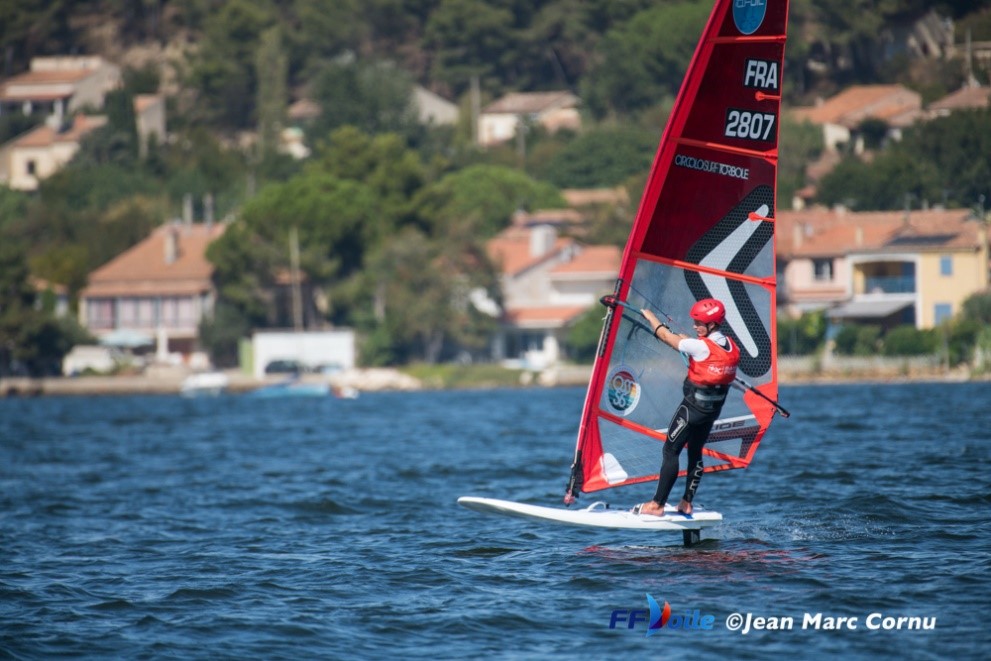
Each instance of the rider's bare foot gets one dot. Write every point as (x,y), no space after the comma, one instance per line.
(650,507)
(685,507)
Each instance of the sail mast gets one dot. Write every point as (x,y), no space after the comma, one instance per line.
(704,228)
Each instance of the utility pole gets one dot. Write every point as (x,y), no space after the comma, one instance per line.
(297,297)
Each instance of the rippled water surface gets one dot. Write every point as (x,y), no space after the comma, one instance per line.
(302,528)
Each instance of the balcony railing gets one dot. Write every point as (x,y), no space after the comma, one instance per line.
(893,284)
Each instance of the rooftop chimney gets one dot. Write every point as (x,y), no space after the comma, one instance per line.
(171,244)
(542,239)
(187,209)
(208,209)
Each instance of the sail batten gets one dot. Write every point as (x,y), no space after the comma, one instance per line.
(704,229)
(770,155)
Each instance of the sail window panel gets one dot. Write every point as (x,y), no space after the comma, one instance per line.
(671,291)
(627,454)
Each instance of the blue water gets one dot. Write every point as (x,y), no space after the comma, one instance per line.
(151,527)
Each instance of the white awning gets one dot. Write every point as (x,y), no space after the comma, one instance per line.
(867,309)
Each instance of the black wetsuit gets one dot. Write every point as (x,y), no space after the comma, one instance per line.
(690,426)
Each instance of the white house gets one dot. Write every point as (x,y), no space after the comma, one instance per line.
(840,115)
(547,283)
(42,151)
(59,86)
(500,120)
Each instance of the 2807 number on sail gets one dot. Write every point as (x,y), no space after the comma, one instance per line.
(749,125)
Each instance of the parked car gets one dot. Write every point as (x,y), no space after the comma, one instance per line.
(284,367)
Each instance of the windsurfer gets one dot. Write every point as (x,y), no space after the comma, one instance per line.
(712,361)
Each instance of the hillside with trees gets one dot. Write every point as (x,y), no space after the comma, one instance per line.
(384,204)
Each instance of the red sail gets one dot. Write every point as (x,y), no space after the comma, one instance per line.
(704,228)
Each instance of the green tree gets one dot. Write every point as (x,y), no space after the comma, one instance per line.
(84,216)
(858,340)
(802,336)
(643,61)
(483,199)
(198,165)
(221,332)
(582,339)
(420,299)
(223,71)
(32,341)
(907,340)
(384,163)
(271,70)
(977,307)
(13,207)
(321,30)
(116,142)
(334,219)
(603,157)
(960,337)
(884,184)
(35,27)
(943,160)
(374,96)
(799,144)
(953,153)
(470,38)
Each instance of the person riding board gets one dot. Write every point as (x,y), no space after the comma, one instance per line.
(712,362)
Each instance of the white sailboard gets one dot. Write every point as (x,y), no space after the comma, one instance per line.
(704,229)
(597,515)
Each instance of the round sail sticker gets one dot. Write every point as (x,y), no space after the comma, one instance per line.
(622,391)
(748,15)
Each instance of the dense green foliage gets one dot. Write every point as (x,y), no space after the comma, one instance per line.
(622,56)
(801,336)
(606,156)
(583,337)
(390,215)
(910,341)
(32,340)
(942,161)
(955,340)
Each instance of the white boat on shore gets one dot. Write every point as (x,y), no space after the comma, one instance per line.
(292,387)
(204,384)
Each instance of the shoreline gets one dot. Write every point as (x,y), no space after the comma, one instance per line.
(386,379)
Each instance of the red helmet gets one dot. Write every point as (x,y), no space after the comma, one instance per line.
(708,310)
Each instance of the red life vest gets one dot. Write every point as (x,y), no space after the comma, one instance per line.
(716,370)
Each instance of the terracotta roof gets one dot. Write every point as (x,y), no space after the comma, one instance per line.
(511,250)
(45,136)
(541,317)
(528,103)
(144,268)
(22,86)
(592,261)
(546,217)
(820,232)
(581,197)
(895,104)
(303,109)
(968,97)
(144,101)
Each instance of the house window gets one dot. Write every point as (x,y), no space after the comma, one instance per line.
(100,313)
(946,265)
(31,168)
(942,312)
(822,270)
